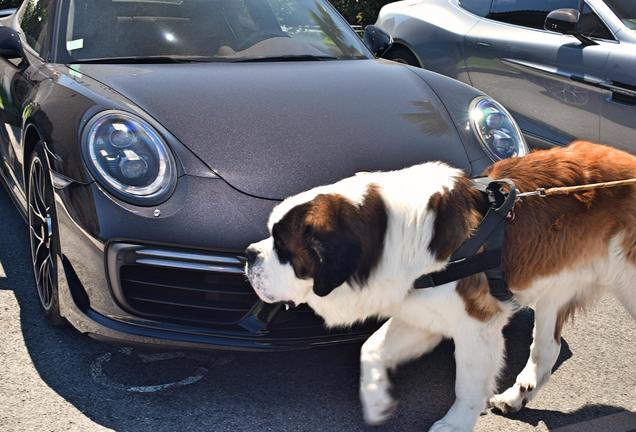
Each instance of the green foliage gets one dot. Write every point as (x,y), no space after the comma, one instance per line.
(360,12)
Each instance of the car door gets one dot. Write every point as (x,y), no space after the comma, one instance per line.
(618,110)
(10,69)
(536,73)
(17,75)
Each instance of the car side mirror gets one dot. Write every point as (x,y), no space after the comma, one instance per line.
(10,45)
(377,40)
(566,21)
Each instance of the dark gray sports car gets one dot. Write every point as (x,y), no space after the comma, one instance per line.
(146,142)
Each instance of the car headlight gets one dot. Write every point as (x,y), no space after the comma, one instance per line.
(496,129)
(129,158)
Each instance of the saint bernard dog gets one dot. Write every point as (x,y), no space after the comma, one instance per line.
(353,249)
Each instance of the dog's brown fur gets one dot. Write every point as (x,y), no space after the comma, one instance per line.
(475,292)
(550,234)
(457,215)
(333,214)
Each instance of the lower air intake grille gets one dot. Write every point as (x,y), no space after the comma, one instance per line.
(187,295)
(202,289)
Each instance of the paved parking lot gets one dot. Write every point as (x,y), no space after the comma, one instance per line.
(58,380)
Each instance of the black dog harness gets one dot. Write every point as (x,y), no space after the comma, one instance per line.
(490,234)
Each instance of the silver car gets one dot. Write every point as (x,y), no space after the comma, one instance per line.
(565,68)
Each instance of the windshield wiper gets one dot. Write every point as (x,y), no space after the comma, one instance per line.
(145,59)
(283,58)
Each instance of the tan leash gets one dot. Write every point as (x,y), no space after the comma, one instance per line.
(546,192)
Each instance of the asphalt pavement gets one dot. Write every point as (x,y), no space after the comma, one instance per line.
(56,379)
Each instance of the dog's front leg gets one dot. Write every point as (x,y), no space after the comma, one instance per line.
(391,344)
(479,353)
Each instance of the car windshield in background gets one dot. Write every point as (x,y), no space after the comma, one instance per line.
(206,30)
(625,10)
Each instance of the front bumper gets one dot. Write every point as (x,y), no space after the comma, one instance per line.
(145,291)
(154,334)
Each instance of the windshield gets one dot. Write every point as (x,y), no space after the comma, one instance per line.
(206,30)
(625,10)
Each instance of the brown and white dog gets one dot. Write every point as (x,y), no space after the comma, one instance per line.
(352,250)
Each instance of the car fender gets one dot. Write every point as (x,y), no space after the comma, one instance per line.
(457,104)
(433,30)
(60,116)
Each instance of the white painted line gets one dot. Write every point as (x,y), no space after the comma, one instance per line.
(100,377)
(149,358)
(126,350)
(198,376)
(2,273)
(620,422)
(97,372)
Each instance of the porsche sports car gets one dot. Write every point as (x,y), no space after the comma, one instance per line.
(146,142)
(563,68)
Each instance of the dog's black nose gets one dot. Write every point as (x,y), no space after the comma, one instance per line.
(251,254)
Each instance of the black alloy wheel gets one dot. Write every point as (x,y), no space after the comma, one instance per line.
(43,235)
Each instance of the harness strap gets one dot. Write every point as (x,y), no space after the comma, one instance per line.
(490,235)
(463,268)
(501,204)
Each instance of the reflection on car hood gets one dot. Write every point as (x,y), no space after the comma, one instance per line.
(275,129)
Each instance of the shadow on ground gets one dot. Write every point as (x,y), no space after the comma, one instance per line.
(307,390)
(556,419)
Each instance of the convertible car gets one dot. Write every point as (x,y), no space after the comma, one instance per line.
(565,69)
(146,142)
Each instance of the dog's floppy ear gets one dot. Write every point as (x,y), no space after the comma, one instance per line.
(339,256)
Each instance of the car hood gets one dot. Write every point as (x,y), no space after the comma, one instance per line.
(274,129)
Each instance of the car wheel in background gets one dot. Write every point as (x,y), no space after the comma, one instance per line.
(43,234)
(402,55)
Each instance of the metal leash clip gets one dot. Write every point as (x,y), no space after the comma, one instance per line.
(540,192)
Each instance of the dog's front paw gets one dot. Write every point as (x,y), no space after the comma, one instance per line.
(377,405)
(513,399)
(444,425)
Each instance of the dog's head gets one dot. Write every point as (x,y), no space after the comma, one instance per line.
(318,245)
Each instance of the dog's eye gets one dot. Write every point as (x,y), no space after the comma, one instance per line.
(316,253)
(283,254)
(302,272)
(284,257)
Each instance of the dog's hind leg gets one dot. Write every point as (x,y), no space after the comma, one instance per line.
(627,296)
(624,286)
(393,343)
(549,316)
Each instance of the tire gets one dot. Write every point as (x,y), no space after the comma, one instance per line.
(402,55)
(44,235)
